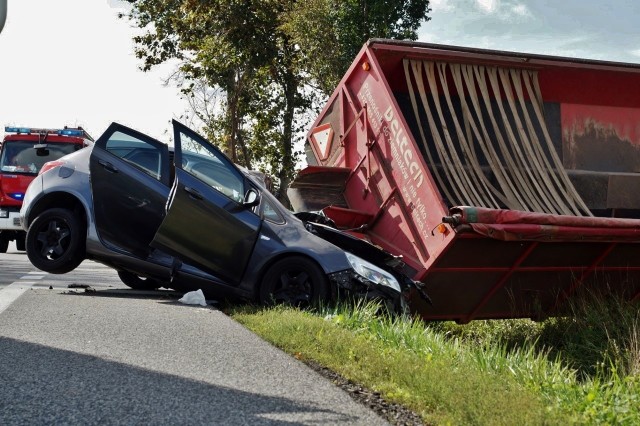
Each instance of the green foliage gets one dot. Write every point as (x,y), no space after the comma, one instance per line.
(429,378)
(263,55)
(602,334)
(581,369)
(226,44)
(602,331)
(586,365)
(330,33)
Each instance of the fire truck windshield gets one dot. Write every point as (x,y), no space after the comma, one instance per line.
(29,157)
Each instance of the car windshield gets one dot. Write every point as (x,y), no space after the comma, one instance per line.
(29,157)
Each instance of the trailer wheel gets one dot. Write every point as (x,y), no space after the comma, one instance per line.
(137,282)
(55,241)
(296,281)
(4,243)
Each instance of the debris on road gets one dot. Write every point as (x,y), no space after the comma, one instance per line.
(194,298)
(74,285)
(87,288)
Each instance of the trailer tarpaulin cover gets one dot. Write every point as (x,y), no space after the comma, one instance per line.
(514,225)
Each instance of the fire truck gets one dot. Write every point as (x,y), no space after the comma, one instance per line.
(23,152)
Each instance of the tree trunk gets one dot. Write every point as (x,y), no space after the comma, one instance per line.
(290,86)
(233,120)
(246,154)
(364,25)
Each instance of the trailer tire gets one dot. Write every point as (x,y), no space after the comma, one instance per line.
(55,241)
(294,280)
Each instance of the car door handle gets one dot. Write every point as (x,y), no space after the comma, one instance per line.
(108,166)
(193,193)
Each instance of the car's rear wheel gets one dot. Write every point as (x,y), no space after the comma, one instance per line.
(294,280)
(137,282)
(4,243)
(55,241)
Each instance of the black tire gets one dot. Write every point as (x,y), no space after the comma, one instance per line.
(137,282)
(55,241)
(21,241)
(4,243)
(296,281)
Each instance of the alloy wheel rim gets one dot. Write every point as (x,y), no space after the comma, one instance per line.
(54,240)
(295,288)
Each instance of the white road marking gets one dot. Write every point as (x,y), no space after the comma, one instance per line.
(10,293)
(34,276)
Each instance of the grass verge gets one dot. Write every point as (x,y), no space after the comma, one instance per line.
(582,369)
(402,360)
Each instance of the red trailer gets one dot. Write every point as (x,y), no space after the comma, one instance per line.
(506,181)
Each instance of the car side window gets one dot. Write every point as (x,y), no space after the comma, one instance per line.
(270,213)
(141,154)
(203,162)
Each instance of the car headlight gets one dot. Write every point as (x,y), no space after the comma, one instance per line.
(4,213)
(372,273)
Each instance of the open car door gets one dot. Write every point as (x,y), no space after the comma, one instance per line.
(130,184)
(208,222)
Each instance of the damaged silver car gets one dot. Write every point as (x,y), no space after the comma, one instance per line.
(186,218)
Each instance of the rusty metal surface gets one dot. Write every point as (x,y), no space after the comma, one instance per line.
(593,187)
(601,138)
(479,278)
(592,114)
(599,147)
(624,191)
(312,191)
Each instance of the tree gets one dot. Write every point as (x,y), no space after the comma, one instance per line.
(220,42)
(264,55)
(330,33)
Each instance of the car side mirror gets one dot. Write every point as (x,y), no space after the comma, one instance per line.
(251,198)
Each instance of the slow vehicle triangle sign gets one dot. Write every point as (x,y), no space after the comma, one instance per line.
(322,136)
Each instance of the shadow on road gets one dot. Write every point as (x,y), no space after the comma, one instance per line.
(52,386)
(123,293)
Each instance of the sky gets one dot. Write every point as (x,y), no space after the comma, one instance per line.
(603,30)
(71,62)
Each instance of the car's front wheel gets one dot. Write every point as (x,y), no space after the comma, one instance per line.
(55,241)
(294,280)
(137,282)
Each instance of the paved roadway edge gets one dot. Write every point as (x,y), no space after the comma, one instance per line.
(13,291)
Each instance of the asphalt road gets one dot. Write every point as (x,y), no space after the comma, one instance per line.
(112,355)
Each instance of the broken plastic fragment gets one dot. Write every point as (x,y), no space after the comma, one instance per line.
(194,298)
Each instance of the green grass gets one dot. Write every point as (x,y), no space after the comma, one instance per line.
(582,369)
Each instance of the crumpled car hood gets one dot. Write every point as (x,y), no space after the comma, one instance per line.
(322,227)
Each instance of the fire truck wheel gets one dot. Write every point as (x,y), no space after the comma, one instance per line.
(55,241)
(294,280)
(20,241)
(4,244)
